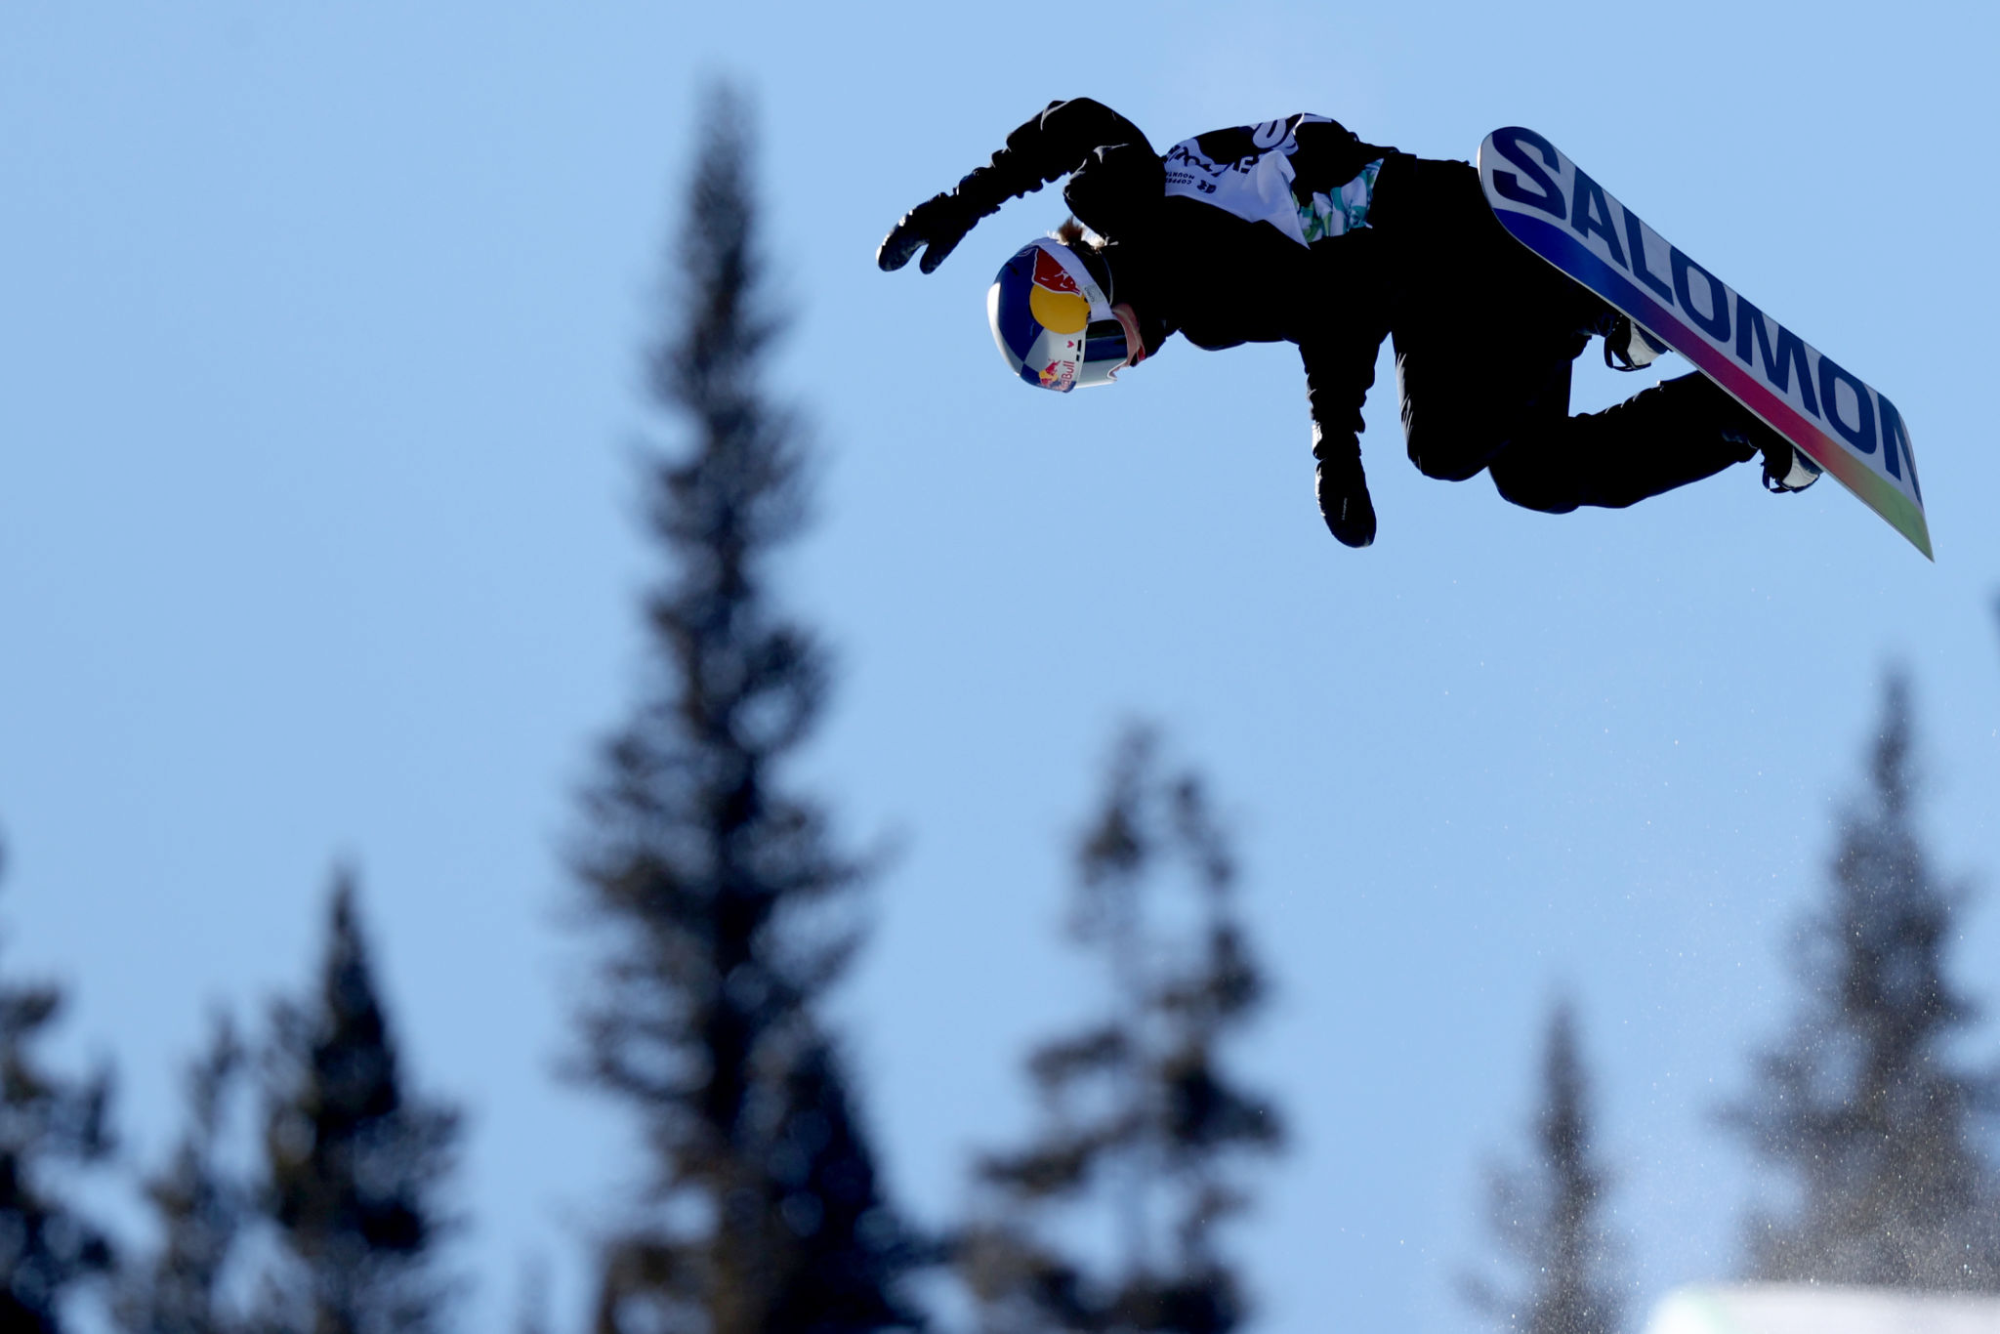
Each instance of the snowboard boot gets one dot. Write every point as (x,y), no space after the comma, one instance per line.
(1627,347)
(1710,408)
(1786,467)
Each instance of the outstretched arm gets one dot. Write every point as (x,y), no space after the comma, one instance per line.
(1049,146)
(1340,368)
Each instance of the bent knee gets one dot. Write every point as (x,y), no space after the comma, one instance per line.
(1454,454)
(1533,487)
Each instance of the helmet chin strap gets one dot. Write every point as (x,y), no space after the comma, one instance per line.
(1135,346)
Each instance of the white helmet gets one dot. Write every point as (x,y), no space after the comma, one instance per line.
(1052,318)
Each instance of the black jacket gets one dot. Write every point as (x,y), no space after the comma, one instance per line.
(1190,264)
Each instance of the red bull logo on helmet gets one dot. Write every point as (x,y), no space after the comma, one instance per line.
(1042,306)
(1050,273)
(1055,298)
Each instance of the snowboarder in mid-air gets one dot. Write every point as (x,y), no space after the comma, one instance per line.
(1295,230)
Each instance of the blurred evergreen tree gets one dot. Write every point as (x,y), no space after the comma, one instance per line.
(1142,1126)
(1862,1106)
(531,1307)
(720,908)
(50,1126)
(1548,1216)
(201,1204)
(356,1164)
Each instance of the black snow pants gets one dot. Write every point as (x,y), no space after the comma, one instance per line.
(1485,335)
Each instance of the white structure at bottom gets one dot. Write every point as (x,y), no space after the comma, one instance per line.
(1787,1308)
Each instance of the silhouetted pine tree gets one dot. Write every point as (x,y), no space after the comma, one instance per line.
(50,1126)
(1548,1215)
(720,906)
(357,1165)
(1142,1124)
(201,1204)
(1862,1106)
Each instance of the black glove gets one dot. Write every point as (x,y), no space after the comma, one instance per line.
(940,223)
(1343,500)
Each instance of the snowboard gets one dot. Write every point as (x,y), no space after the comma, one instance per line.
(1852,431)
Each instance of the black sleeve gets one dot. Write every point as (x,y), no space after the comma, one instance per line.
(1049,146)
(1329,155)
(1340,370)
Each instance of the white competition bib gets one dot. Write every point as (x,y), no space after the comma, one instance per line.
(1259,187)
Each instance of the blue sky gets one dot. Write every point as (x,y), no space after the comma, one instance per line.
(319,339)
